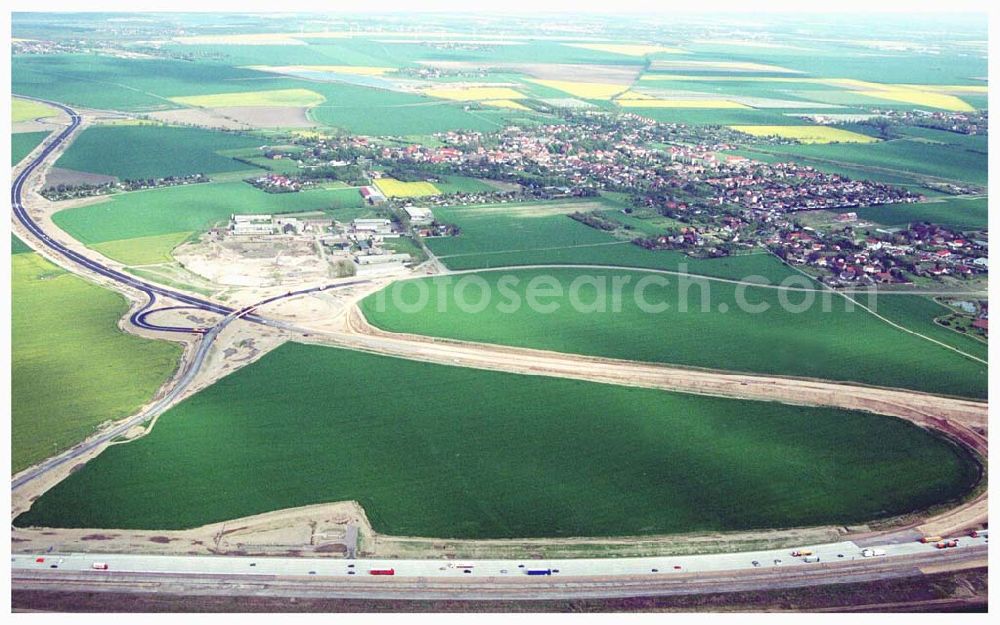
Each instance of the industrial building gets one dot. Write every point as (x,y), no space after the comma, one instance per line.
(374,226)
(248,225)
(419,216)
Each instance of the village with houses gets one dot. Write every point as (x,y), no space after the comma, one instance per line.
(712,201)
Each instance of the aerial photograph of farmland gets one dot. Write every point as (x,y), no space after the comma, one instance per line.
(379,310)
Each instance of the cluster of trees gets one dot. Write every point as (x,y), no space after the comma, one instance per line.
(595,220)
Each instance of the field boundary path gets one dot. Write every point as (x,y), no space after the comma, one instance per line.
(358,333)
(892,323)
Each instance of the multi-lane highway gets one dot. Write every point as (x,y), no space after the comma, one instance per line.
(603,577)
(138,318)
(25,219)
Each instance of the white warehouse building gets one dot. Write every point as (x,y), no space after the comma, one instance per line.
(419,216)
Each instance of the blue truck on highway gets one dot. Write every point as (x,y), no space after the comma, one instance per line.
(538,571)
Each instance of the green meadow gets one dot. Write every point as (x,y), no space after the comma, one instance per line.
(129,84)
(956,212)
(22,143)
(65,336)
(904,156)
(369,111)
(465,453)
(135,152)
(179,211)
(509,235)
(716,331)
(917,313)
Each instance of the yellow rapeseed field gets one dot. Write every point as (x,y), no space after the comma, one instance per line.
(972,89)
(25,110)
(507,104)
(586,90)
(932,96)
(921,98)
(807,134)
(390,187)
(277,97)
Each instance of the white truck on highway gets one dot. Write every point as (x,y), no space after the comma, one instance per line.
(872,553)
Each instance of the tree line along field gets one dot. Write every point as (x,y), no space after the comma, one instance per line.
(850,346)
(148,224)
(480,454)
(22,143)
(518,234)
(65,336)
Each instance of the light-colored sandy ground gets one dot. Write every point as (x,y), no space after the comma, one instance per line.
(311,530)
(255,261)
(204,118)
(267,116)
(617,74)
(238,117)
(58,176)
(35,125)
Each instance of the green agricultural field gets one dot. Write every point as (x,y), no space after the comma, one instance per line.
(186,209)
(133,152)
(478,454)
(836,345)
(507,235)
(22,143)
(17,246)
(487,229)
(368,111)
(918,314)
(65,336)
(625,254)
(462,184)
(855,172)
(899,156)
(955,212)
(143,250)
(720,117)
(106,82)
